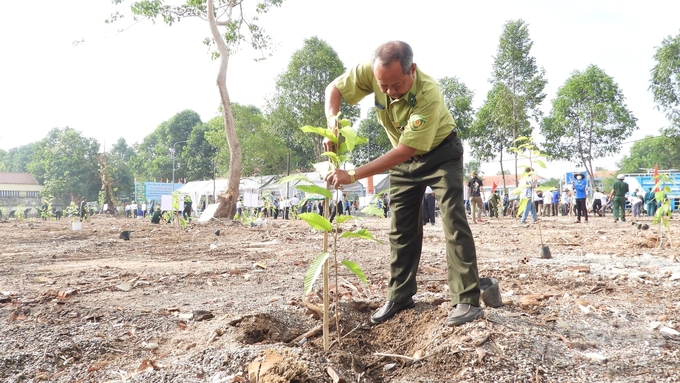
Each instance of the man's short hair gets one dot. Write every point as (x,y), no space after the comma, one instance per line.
(391,51)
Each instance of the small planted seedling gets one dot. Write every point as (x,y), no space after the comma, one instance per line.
(526,149)
(345,142)
(662,216)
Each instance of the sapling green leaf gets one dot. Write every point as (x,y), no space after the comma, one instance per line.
(540,163)
(373,210)
(315,189)
(316,221)
(295,177)
(343,218)
(314,270)
(350,137)
(360,233)
(332,156)
(322,131)
(344,122)
(360,141)
(354,268)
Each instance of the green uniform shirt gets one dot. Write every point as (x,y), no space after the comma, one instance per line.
(620,188)
(419,119)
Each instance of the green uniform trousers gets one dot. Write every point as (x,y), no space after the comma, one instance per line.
(619,207)
(442,170)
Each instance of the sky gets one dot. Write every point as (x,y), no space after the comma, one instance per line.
(126,83)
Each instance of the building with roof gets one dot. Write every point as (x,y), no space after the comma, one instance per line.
(19,189)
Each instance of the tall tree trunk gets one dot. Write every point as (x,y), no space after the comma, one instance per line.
(227,208)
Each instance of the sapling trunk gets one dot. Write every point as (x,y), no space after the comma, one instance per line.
(326,305)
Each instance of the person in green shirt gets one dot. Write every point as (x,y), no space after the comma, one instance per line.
(426,152)
(618,198)
(156,216)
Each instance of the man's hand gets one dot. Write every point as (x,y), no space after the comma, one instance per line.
(338,177)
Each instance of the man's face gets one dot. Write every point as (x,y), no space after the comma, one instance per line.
(392,80)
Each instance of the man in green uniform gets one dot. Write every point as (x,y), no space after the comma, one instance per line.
(426,152)
(618,198)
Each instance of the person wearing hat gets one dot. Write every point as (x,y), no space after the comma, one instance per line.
(476,192)
(580,184)
(618,198)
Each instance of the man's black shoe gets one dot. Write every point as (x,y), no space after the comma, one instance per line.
(389,309)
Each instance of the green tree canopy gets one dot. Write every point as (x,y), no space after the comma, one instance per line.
(154,153)
(458,98)
(118,166)
(490,135)
(516,69)
(589,119)
(17,159)
(665,81)
(663,151)
(299,98)
(263,152)
(66,163)
(378,142)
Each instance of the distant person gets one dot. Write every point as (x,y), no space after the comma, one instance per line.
(529,183)
(156,216)
(428,206)
(494,202)
(598,197)
(547,203)
(555,202)
(580,184)
(476,191)
(618,198)
(635,205)
(650,200)
(83,209)
(187,207)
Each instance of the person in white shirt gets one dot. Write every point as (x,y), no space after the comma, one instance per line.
(636,205)
(598,202)
(566,202)
(547,203)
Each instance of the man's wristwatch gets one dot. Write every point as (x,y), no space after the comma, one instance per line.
(351,176)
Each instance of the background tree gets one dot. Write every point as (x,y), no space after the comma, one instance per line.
(378,142)
(299,98)
(67,165)
(118,163)
(199,153)
(589,119)
(458,99)
(644,154)
(17,159)
(154,153)
(3,161)
(515,68)
(238,28)
(665,81)
(263,152)
(490,135)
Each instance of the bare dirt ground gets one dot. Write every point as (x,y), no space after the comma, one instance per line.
(174,305)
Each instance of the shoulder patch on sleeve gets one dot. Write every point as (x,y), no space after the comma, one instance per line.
(417,122)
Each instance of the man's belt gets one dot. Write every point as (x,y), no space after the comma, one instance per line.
(446,140)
